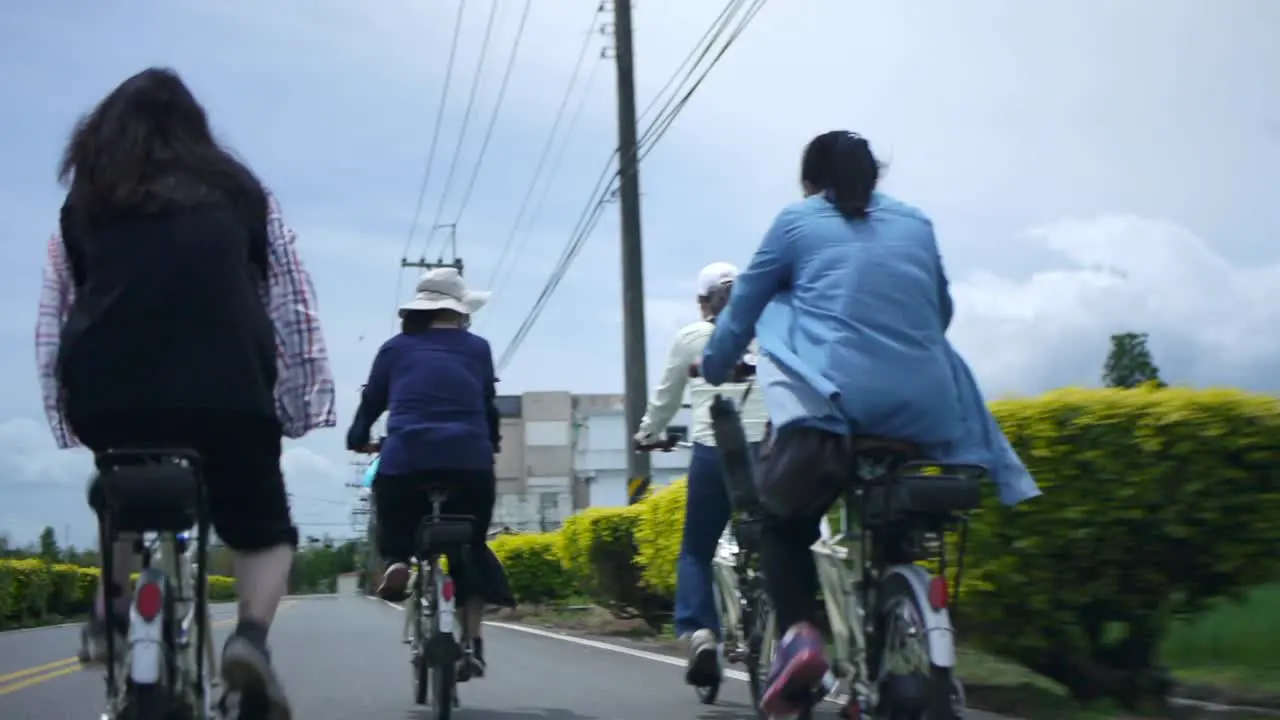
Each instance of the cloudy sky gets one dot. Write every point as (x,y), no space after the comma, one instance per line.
(1092,167)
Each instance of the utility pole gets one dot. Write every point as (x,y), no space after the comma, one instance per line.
(422,264)
(632,252)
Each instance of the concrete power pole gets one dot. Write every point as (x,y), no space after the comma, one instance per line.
(422,264)
(632,252)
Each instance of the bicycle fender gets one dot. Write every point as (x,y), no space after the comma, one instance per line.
(938,631)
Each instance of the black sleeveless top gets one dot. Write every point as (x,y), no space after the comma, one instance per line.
(168,312)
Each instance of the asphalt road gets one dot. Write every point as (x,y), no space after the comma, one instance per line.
(341,659)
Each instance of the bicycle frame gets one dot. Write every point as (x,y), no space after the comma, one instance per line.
(848,576)
(432,598)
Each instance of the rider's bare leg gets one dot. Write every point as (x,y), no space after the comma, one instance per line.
(262,580)
(124,562)
(472,618)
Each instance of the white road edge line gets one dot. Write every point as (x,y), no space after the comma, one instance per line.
(621,649)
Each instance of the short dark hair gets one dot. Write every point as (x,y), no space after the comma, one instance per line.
(841,165)
(413,322)
(147,147)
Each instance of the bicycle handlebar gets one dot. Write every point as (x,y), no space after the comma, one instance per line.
(663,445)
(743,371)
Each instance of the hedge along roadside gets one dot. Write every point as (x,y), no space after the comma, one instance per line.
(34,592)
(1156,502)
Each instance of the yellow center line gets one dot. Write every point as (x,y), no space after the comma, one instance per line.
(39,679)
(66,666)
(35,670)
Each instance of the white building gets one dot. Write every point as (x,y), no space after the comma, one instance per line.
(562,453)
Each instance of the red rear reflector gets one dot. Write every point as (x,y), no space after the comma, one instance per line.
(446,590)
(148,601)
(938,593)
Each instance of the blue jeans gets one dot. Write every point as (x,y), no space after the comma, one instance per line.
(706,514)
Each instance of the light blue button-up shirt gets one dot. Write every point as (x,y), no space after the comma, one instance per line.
(851,318)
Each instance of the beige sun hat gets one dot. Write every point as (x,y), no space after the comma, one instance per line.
(444,289)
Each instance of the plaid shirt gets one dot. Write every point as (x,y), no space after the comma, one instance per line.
(304,389)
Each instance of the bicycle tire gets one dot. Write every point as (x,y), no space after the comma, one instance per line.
(443,677)
(421,671)
(147,702)
(936,687)
(442,673)
(759,643)
(709,693)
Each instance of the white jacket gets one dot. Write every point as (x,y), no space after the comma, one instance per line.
(667,397)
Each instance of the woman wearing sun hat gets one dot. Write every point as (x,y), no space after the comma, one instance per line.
(435,380)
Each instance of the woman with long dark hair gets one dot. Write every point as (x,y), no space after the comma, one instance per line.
(176,313)
(848,299)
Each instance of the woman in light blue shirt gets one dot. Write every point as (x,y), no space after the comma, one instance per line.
(850,305)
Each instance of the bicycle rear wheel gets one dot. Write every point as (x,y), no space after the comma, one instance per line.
(440,657)
(418,645)
(913,687)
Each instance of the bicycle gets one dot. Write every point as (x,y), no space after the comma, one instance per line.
(890,617)
(435,653)
(732,567)
(904,507)
(158,495)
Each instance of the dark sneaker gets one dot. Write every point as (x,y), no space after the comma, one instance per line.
(395,582)
(247,671)
(703,668)
(471,666)
(798,668)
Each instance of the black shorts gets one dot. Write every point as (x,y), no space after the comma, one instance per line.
(240,465)
(803,471)
(401,505)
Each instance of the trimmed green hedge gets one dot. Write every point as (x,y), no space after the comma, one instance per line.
(1157,502)
(33,592)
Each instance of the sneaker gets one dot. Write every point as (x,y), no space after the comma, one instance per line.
(247,671)
(798,667)
(703,668)
(471,665)
(93,642)
(395,582)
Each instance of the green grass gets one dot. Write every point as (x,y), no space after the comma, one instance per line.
(1234,645)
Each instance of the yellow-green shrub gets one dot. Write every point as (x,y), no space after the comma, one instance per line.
(1156,501)
(658,535)
(598,549)
(533,566)
(33,591)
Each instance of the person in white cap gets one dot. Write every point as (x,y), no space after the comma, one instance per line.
(708,506)
(436,382)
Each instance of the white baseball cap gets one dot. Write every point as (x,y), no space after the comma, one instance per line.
(715,275)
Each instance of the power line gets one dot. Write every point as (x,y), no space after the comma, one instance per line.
(493,117)
(466,116)
(431,153)
(591,214)
(664,124)
(546,148)
(705,39)
(435,133)
(552,174)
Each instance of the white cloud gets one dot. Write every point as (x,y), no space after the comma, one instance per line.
(41,485)
(1212,320)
